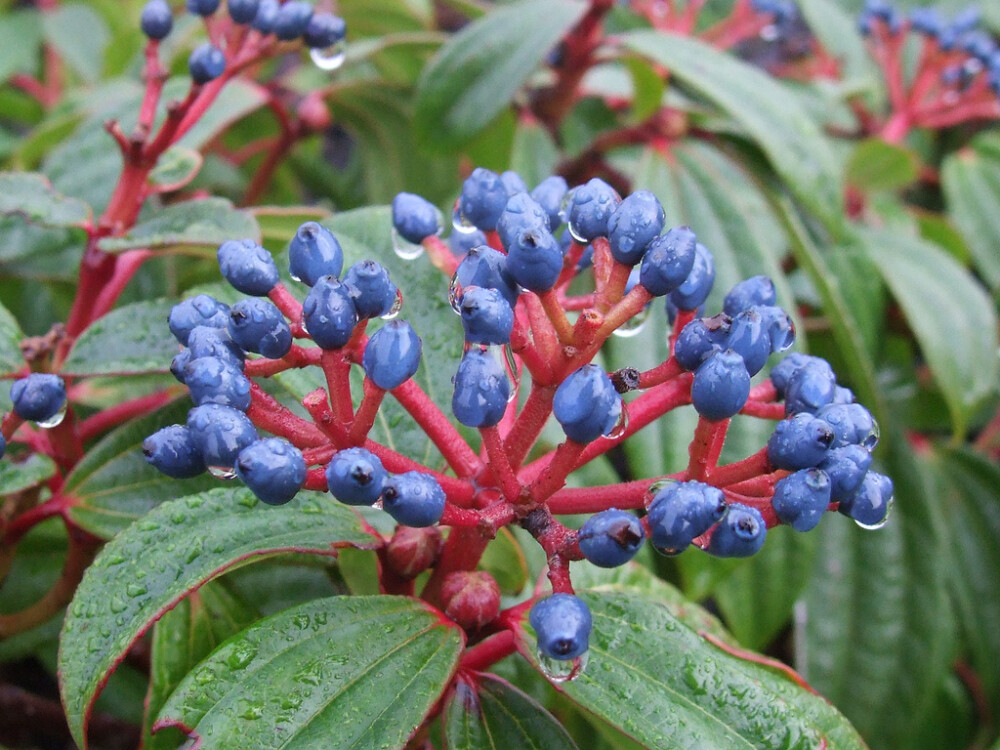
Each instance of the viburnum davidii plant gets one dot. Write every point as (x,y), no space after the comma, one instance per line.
(536,374)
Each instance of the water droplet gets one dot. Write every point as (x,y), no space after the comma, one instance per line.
(455,292)
(241,656)
(870,440)
(620,426)
(377,505)
(55,420)
(397,305)
(222,472)
(135,589)
(513,373)
(403,249)
(634,325)
(659,485)
(459,222)
(769,33)
(118,604)
(562,670)
(575,234)
(328,58)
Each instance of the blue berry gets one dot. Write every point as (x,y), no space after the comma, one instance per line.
(810,388)
(562,624)
(267,14)
(682,511)
(693,292)
(611,538)
(842,395)
(721,386)
(870,505)
(846,467)
(179,362)
(462,242)
(413,499)
(852,424)
(38,397)
(549,194)
(757,290)
(248,267)
(634,224)
(314,252)
(213,381)
(535,259)
(668,261)
(324,30)
(782,372)
(700,339)
(201,310)
(483,199)
(292,20)
(373,292)
(3,445)
(392,355)
(256,325)
(328,313)
(485,267)
(415,218)
(513,183)
(749,338)
(486,316)
(202,7)
(481,390)
(355,476)
(521,214)
(799,442)
(779,326)
(173,452)
(966,20)
(740,534)
(926,21)
(208,341)
(220,433)
(801,499)
(206,63)
(586,404)
(156,20)
(243,11)
(273,469)
(590,208)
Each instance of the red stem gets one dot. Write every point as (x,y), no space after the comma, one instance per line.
(488,652)
(113,416)
(530,423)
(367,412)
(462,459)
(500,465)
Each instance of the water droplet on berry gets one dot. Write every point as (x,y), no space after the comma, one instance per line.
(455,292)
(620,426)
(564,206)
(377,505)
(769,33)
(222,472)
(879,524)
(660,484)
(634,325)
(55,420)
(328,58)
(295,278)
(397,305)
(403,249)
(513,373)
(575,234)
(562,670)
(870,440)
(459,222)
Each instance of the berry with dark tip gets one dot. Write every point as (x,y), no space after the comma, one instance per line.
(486,267)
(220,433)
(782,372)
(355,476)
(173,452)
(156,20)
(201,310)
(846,467)
(483,199)
(369,285)
(248,267)
(693,292)
(178,363)
(700,339)
(752,292)
(535,259)
(273,469)
(462,242)
(242,11)
(392,355)
(590,208)
(749,338)
(852,424)
(549,194)
(486,316)
(414,217)
(413,498)
(586,404)
(202,7)
(213,381)
(633,225)
(740,534)
(292,19)
(314,252)
(513,183)
(324,30)
(38,397)
(256,325)
(481,390)
(799,442)
(562,624)
(668,261)
(682,511)
(328,313)
(267,14)
(521,214)
(610,538)
(810,388)
(721,386)
(208,341)
(206,63)
(801,499)
(870,505)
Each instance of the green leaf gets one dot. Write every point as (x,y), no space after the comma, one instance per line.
(953,319)
(80,36)
(771,115)
(476,73)
(202,223)
(837,29)
(175,169)
(128,341)
(970,179)
(534,155)
(21,40)
(504,560)
(11,359)
(355,671)
(487,713)
(165,556)
(34,470)
(875,166)
(30,195)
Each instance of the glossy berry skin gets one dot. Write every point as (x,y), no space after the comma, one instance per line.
(206,63)
(481,390)
(273,469)
(700,339)
(413,499)
(513,183)
(590,208)
(682,511)
(248,267)
(586,404)
(562,623)
(355,476)
(213,381)
(328,313)
(740,534)
(846,467)
(549,194)
(173,452)
(870,505)
(324,30)
(668,261)
(313,253)
(799,442)
(535,259)
(634,224)
(782,372)
(486,267)
(521,214)
(208,341)
(414,218)
(242,11)
(486,316)
(462,242)
(721,386)
(292,20)
(749,338)
(220,433)
(852,424)
(178,363)
(779,327)
(256,325)
(267,14)
(801,499)
(691,294)
(392,355)
(200,310)
(38,397)
(369,285)
(483,199)
(810,388)
(156,20)
(752,292)
(610,538)
(202,7)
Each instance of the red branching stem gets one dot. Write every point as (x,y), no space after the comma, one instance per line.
(561,462)
(575,304)
(764,410)
(316,480)
(500,465)
(54,506)
(113,416)
(65,442)
(529,423)
(613,287)
(603,262)
(459,491)
(557,316)
(764,391)
(626,496)
(125,268)
(156,76)
(546,341)
(488,652)
(9,425)
(441,255)
(337,369)
(460,457)
(705,447)
(290,307)
(367,412)
(462,551)
(523,346)
(33,88)
(318,405)
(748,468)
(662,373)
(558,575)
(570,261)
(455,515)
(268,414)
(297,357)
(762,504)
(759,485)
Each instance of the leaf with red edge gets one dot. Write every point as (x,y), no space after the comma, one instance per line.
(166,555)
